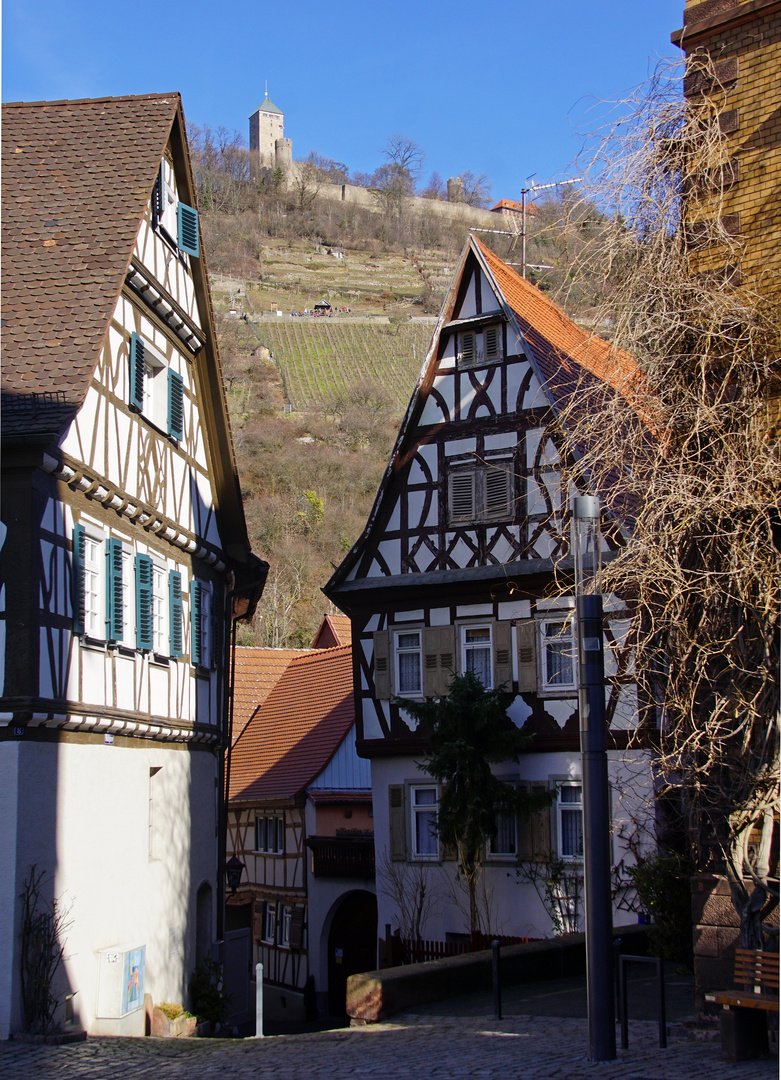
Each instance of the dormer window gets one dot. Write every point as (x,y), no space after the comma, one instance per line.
(175,220)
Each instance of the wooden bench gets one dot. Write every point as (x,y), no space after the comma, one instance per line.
(744,1012)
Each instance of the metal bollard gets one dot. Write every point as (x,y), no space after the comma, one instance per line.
(495,946)
(259,1001)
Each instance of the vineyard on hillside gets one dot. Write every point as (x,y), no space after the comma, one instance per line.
(320,358)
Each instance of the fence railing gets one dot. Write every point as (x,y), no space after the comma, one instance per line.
(400,950)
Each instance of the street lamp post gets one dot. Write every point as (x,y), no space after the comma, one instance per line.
(596,810)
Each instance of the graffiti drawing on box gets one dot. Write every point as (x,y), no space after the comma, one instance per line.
(133,980)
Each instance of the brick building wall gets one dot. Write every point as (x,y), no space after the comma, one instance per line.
(743,41)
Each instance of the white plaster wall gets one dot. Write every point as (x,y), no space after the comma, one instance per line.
(515,907)
(85,817)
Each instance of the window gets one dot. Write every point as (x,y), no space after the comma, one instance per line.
(201,626)
(505,839)
(97,586)
(156,390)
(409,681)
(479,346)
(570,821)
(160,641)
(270,835)
(423,803)
(127,635)
(284,925)
(270,922)
(94,618)
(177,221)
(477,653)
(480,493)
(558,655)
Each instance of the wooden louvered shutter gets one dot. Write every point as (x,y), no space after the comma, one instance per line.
(137,372)
(503,655)
(175,405)
(143,602)
(175,612)
(540,826)
(187,226)
(196,630)
(497,490)
(115,620)
(398,843)
(382,679)
(462,495)
(296,940)
(77,578)
(527,660)
(466,348)
(493,342)
(439,661)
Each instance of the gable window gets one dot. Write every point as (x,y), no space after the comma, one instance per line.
(270,835)
(477,653)
(480,493)
(569,810)
(156,390)
(408,657)
(423,804)
(177,221)
(557,655)
(475,347)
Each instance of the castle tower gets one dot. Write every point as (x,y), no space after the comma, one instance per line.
(266,125)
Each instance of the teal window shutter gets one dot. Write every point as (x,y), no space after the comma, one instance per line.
(175,405)
(187,224)
(196,632)
(77,578)
(175,611)
(115,617)
(137,372)
(143,602)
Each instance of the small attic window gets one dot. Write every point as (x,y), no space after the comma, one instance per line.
(480,346)
(175,220)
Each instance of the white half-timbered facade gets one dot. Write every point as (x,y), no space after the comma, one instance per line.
(300,822)
(459,569)
(125,556)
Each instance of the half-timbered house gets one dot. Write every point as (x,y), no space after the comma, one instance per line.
(300,821)
(125,556)
(457,570)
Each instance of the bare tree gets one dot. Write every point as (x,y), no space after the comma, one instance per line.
(476,189)
(404,154)
(683,457)
(414,892)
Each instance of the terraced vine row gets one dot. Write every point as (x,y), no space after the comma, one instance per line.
(318,358)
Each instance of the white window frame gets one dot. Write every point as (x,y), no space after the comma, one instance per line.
(467,647)
(568,639)
(278,829)
(400,650)
(155,408)
(285,915)
(269,935)
(418,812)
(128,639)
(565,808)
(94,571)
(167,220)
(161,641)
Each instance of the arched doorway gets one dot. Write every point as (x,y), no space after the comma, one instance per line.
(352,945)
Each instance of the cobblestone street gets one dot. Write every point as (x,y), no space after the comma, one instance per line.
(543,1048)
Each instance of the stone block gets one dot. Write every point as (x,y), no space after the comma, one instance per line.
(161,1025)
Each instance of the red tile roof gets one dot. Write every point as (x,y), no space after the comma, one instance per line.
(334,630)
(297,730)
(77,177)
(257,673)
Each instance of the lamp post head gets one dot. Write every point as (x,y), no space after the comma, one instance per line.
(233,871)
(587,543)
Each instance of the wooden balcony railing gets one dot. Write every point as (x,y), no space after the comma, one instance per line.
(342,856)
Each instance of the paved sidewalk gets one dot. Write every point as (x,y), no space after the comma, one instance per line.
(410,1047)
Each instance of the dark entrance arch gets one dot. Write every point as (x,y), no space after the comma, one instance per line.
(352,945)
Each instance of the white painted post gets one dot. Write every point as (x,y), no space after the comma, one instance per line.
(259,1001)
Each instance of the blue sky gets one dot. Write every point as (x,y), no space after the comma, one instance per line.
(506,88)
